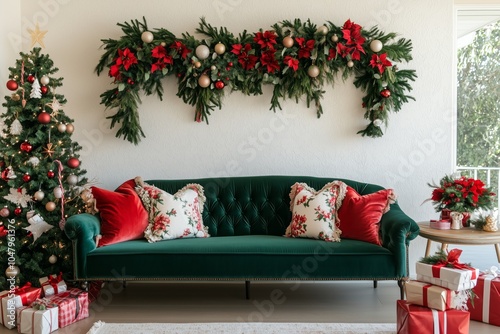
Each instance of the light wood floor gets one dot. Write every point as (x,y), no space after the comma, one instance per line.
(356,302)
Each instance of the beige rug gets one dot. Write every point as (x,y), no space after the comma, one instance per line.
(241,328)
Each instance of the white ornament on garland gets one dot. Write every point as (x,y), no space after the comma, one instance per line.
(147,37)
(202,52)
(323,30)
(313,71)
(376,45)
(377,122)
(36,92)
(38,226)
(19,197)
(16,128)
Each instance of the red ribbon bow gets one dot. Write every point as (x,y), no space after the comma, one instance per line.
(25,288)
(452,261)
(53,281)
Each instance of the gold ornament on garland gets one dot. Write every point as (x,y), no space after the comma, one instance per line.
(297,58)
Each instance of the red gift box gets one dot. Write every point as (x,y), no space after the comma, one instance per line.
(73,306)
(421,320)
(11,300)
(485,307)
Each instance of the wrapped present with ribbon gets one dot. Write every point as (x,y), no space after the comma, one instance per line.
(12,300)
(447,272)
(73,306)
(53,284)
(40,319)
(486,305)
(432,296)
(415,319)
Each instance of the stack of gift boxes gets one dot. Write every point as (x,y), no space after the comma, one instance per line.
(440,300)
(23,307)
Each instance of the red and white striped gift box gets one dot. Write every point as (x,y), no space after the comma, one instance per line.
(73,306)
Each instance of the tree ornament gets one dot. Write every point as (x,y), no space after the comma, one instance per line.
(204,81)
(26,146)
(44,90)
(58,192)
(34,161)
(31,78)
(18,197)
(44,117)
(376,45)
(39,195)
(12,271)
(213,68)
(378,122)
(49,149)
(147,37)
(12,85)
(51,174)
(220,48)
(16,128)
(50,206)
(288,42)
(350,63)
(15,97)
(73,162)
(38,225)
(385,93)
(36,92)
(323,30)
(52,259)
(55,106)
(202,52)
(313,71)
(44,80)
(26,177)
(219,84)
(8,174)
(18,211)
(335,38)
(72,179)
(70,128)
(61,127)
(197,64)
(5,212)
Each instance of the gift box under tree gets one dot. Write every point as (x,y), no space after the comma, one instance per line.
(486,306)
(431,296)
(39,318)
(73,306)
(53,285)
(10,301)
(422,320)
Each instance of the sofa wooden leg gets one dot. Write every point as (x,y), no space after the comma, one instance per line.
(375,284)
(247,290)
(401,289)
(124,284)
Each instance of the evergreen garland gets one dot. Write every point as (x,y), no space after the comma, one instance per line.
(297,58)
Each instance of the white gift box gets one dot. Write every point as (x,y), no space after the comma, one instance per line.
(450,278)
(8,308)
(31,321)
(54,288)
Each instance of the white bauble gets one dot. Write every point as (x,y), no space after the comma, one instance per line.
(313,71)
(376,45)
(52,259)
(335,38)
(147,37)
(323,30)
(44,80)
(350,63)
(202,52)
(72,179)
(58,192)
(61,127)
(39,195)
(378,122)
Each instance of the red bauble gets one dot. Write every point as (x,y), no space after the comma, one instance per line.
(385,93)
(51,174)
(73,163)
(219,84)
(44,90)
(31,78)
(12,85)
(44,117)
(26,177)
(18,211)
(230,64)
(26,147)
(130,81)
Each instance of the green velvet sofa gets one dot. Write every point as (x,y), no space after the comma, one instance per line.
(246,218)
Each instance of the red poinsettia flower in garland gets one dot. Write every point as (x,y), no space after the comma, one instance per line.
(180,48)
(332,54)
(126,58)
(163,58)
(266,39)
(291,62)
(246,60)
(354,39)
(343,50)
(305,48)
(381,62)
(269,61)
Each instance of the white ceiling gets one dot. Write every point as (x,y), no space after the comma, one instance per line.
(470,20)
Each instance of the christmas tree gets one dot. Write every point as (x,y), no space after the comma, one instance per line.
(41,175)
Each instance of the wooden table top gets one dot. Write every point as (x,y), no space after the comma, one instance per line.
(464,236)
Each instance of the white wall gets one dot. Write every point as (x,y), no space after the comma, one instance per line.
(10,30)
(416,148)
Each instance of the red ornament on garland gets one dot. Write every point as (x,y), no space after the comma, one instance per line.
(26,147)
(12,85)
(73,163)
(44,117)
(31,78)
(51,174)
(219,85)
(385,93)
(130,81)
(44,90)
(26,177)
(18,211)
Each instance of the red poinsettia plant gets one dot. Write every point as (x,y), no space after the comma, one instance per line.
(461,194)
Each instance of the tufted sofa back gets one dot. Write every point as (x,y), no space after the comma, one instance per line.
(251,204)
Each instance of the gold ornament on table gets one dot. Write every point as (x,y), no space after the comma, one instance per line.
(491,224)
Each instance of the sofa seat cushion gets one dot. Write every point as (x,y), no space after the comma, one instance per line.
(241,257)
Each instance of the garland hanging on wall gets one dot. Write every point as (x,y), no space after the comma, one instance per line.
(296,57)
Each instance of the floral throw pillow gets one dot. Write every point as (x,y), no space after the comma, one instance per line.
(173,216)
(314,213)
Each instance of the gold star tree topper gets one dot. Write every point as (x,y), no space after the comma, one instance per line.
(37,36)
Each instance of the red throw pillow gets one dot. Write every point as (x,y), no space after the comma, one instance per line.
(360,215)
(123,217)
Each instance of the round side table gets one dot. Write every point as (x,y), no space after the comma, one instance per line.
(464,236)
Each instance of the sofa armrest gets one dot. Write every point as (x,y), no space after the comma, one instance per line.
(82,230)
(397,230)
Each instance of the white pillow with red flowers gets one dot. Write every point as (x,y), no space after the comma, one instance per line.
(314,213)
(173,216)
